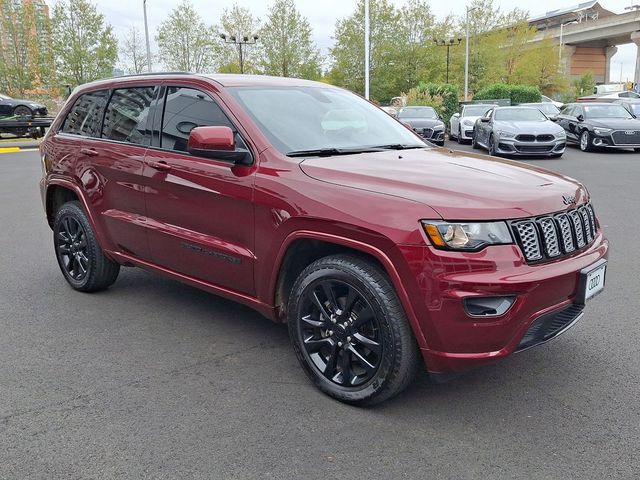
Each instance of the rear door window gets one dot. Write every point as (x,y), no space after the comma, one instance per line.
(85,117)
(126,115)
(186,109)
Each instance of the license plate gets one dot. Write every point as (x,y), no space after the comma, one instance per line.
(592,281)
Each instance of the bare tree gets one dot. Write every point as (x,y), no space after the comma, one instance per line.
(134,52)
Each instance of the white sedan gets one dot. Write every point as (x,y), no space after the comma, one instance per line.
(461,124)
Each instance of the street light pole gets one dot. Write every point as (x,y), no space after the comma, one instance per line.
(240,42)
(367,48)
(448,43)
(146,34)
(466,58)
(562,25)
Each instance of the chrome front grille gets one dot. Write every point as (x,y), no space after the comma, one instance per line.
(551,236)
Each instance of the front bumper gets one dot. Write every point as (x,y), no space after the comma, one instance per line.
(457,341)
(435,136)
(616,139)
(467,132)
(515,147)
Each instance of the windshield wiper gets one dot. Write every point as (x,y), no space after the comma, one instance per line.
(328,152)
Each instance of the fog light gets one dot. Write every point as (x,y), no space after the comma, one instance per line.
(488,306)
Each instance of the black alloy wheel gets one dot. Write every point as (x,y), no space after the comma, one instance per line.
(492,145)
(71,244)
(349,330)
(460,140)
(80,257)
(340,332)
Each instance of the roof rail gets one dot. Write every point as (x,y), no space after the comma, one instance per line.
(153,73)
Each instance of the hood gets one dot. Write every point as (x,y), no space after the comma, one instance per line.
(422,122)
(530,128)
(615,123)
(465,120)
(457,185)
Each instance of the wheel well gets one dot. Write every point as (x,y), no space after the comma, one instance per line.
(300,254)
(56,197)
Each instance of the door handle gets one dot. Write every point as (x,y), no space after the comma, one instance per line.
(89,152)
(161,165)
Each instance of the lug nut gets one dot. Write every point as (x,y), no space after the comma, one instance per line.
(339,344)
(333,320)
(348,339)
(330,332)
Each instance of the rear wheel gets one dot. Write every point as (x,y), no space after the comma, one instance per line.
(460,140)
(474,143)
(80,258)
(22,111)
(349,330)
(585,141)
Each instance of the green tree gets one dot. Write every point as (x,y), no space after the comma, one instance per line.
(240,22)
(84,44)
(347,54)
(287,47)
(26,58)
(186,43)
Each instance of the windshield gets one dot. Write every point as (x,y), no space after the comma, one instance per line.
(635,108)
(548,108)
(521,114)
(4,97)
(298,119)
(418,112)
(476,110)
(606,111)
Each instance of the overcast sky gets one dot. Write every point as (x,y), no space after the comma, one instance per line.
(322,15)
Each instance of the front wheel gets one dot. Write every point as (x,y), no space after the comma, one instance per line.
(492,146)
(474,142)
(22,111)
(460,139)
(83,264)
(585,141)
(349,330)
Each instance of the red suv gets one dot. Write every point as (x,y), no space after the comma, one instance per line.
(317,209)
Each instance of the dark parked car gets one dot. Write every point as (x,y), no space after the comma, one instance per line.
(632,106)
(517,131)
(12,107)
(600,125)
(317,209)
(425,121)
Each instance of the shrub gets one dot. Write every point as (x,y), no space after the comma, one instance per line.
(516,93)
(441,96)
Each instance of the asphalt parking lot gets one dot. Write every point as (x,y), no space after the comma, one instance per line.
(154,379)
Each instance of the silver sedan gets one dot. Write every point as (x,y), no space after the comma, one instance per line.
(513,131)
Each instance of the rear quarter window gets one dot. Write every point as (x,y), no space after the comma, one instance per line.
(85,117)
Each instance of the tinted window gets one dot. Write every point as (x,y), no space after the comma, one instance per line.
(85,117)
(418,112)
(476,110)
(520,114)
(126,116)
(606,111)
(185,109)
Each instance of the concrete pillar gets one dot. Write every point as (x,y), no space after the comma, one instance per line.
(608,53)
(567,57)
(635,38)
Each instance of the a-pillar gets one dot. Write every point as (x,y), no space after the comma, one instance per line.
(635,38)
(608,53)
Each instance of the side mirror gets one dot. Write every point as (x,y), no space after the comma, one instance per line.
(553,118)
(408,125)
(484,119)
(580,118)
(218,143)
(456,115)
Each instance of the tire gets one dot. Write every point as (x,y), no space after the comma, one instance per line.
(22,111)
(474,143)
(79,255)
(440,144)
(459,138)
(636,149)
(585,141)
(492,146)
(355,312)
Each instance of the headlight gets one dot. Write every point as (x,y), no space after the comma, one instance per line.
(504,134)
(34,105)
(561,135)
(468,123)
(439,127)
(467,236)
(602,131)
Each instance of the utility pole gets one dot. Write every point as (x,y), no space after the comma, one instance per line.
(146,34)
(466,57)
(240,42)
(562,25)
(367,47)
(448,43)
